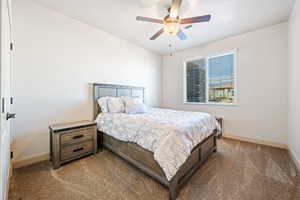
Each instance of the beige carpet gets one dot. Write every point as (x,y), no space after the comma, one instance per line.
(239,171)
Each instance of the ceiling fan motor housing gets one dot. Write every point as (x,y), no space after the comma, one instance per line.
(171,25)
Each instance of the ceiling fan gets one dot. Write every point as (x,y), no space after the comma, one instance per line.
(172,21)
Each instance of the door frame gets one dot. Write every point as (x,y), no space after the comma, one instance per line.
(6,5)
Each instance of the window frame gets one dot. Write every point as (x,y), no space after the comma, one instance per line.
(224,53)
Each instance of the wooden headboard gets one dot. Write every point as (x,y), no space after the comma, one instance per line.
(105,90)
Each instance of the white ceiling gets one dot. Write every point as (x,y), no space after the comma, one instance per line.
(229,17)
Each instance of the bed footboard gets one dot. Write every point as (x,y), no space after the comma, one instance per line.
(144,161)
(198,156)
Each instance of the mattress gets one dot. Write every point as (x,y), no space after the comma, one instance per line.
(170,134)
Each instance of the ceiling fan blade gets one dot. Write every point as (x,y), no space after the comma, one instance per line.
(181,35)
(174,11)
(148,19)
(157,34)
(204,18)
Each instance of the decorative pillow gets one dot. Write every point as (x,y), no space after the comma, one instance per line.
(115,105)
(135,108)
(103,104)
(131,100)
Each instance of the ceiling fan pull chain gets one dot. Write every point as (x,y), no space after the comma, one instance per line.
(171,54)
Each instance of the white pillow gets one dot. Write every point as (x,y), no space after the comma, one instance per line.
(115,105)
(131,100)
(103,104)
(136,108)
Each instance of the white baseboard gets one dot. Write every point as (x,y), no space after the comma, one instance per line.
(294,158)
(256,141)
(30,160)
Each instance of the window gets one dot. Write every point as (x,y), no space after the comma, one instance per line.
(210,80)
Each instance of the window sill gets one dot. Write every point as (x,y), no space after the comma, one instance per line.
(211,104)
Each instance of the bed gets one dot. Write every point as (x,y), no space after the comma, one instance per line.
(165,167)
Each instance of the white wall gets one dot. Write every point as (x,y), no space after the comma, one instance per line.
(294,82)
(56,60)
(261,112)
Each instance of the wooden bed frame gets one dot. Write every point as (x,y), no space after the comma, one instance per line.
(143,159)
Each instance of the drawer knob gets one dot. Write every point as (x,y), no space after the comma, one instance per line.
(77,137)
(79,149)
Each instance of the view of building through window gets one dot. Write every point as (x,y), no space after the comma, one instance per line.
(221,79)
(210,80)
(196,81)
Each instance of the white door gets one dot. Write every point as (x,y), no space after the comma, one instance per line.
(5,93)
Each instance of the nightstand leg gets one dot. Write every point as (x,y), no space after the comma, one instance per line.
(56,165)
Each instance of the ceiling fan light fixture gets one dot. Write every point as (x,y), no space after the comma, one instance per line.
(171,28)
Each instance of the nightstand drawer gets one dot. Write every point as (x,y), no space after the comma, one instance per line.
(77,136)
(76,150)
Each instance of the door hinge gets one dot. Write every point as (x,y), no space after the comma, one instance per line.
(11,46)
(11,155)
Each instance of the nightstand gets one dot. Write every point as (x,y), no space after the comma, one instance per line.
(70,141)
(220,120)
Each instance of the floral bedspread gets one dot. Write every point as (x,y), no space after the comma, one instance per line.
(169,134)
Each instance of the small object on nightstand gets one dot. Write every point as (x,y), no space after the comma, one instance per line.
(69,141)
(220,120)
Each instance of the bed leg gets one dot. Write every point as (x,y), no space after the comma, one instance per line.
(173,190)
(215,144)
